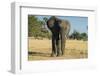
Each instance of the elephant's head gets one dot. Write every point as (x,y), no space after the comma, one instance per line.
(53,21)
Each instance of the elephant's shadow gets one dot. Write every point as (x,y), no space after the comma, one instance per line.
(39,54)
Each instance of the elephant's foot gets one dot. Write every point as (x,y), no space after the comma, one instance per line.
(53,55)
(63,53)
(59,54)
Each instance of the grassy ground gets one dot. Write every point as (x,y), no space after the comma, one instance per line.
(41,50)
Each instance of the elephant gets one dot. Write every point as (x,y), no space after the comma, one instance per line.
(60,29)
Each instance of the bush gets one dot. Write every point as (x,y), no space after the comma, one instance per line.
(35,28)
(79,36)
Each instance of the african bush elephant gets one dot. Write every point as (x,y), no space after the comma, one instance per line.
(60,30)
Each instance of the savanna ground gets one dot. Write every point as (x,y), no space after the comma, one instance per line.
(41,49)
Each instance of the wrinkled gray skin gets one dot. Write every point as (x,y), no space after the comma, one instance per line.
(60,30)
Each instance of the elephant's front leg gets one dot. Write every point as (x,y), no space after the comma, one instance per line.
(58,44)
(53,46)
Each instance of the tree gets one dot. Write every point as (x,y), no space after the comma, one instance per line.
(45,19)
(75,35)
(84,36)
(34,26)
(79,36)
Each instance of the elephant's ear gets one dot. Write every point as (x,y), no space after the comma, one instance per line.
(50,23)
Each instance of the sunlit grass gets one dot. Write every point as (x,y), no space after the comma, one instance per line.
(41,49)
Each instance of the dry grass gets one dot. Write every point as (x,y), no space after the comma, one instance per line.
(41,50)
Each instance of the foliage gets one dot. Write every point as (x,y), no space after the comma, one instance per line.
(78,36)
(36,27)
